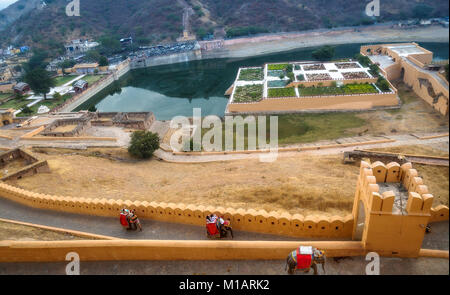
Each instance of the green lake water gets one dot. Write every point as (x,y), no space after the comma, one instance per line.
(174,90)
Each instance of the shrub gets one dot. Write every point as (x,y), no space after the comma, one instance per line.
(56,95)
(291,76)
(143,144)
(383,84)
(27,110)
(301,77)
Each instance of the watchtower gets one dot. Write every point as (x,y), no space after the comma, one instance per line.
(391,209)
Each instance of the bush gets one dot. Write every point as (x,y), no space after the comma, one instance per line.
(383,84)
(27,110)
(56,95)
(143,144)
(301,77)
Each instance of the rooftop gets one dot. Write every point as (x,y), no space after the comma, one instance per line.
(405,50)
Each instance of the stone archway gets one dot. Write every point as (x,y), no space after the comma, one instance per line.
(360,222)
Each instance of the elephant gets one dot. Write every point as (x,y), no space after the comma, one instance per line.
(318,257)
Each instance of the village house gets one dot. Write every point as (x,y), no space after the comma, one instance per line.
(80,46)
(86,68)
(80,86)
(21,88)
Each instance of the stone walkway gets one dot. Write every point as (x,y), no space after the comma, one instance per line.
(157,230)
(152,230)
(346,266)
(400,140)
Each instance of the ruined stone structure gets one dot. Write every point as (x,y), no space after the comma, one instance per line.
(68,127)
(411,63)
(139,120)
(31,165)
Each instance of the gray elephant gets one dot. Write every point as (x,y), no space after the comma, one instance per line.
(304,262)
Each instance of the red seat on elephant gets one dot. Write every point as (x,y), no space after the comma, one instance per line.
(303,260)
(123,220)
(212,229)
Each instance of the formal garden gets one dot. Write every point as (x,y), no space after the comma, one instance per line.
(277,83)
(347,65)
(335,90)
(254,74)
(282,92)
(354,75)
(248,93)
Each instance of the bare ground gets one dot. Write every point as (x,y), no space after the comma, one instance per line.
(16,232)
(304,184)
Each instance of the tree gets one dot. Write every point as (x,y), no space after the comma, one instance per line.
(92,55)
(324,53)
(36,61)
(103,61)
(40,81)
(143,144)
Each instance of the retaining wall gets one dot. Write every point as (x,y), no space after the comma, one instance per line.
(25,251)
(338,102)
(249,220)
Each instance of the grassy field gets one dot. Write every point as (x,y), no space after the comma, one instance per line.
(15,103)
(305,128)
(63,80)
(91,79)
(4,95)
(50,103)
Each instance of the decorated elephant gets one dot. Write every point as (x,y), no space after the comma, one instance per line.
(305,258)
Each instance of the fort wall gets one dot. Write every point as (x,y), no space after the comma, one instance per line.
(295,225)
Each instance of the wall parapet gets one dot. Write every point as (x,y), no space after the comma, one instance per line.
(110,250)
(261,221)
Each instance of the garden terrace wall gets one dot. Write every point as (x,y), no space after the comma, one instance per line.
(337,102)
(248,220)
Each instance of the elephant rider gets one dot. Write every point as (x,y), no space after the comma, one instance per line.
(134,219)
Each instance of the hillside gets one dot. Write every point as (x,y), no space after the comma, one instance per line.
(154,21)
